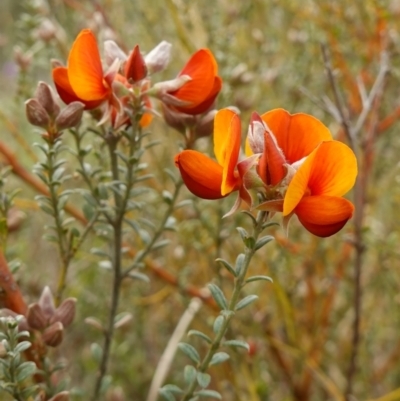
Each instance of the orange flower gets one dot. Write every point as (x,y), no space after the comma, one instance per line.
(83,80)
(198,94)
(315,192)
(209,179)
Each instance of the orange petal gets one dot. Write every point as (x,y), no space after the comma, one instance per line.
(330,170)
(297,134)
(202,176)
(227,135)
(324,215)
(85,71)
(135,67)
(201,68)
(146,118)
(64,89)
(205,104)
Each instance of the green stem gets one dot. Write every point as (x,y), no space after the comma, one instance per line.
(239,283)
(63,243)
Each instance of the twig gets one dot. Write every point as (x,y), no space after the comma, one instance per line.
(168,355)
(339,104)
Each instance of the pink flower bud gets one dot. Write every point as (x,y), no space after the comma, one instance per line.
(158,58)
(36,318)
(36,114)
(53,335)
(44,95)
(70,117)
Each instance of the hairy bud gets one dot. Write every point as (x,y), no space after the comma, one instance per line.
(65,313)
(70,117)
(46,302)
(36,114)
(44,95)
(53,335)
(36,318)
(158,58)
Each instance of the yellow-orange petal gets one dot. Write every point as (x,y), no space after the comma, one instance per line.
(330,170)
(206,103)
(64,89)
(202,176)
(85,71)
(227,134)
(324,215)
(201,69)
(297,134)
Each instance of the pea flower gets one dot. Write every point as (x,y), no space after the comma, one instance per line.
(196,86)
(209,179)
(83,79)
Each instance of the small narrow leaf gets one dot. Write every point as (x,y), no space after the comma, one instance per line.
(219,357)
(190,351)
(243,233)
(246,301)
(218,295)
(227,266)
(25,370)
(263,241)
(209,393)
(237,344)
(172,388)
(203,379)
(239,263)
(258,278)
(218,322)
(166,394)
(201,335)
(189,374)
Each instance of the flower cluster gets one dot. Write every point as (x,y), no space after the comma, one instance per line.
(121,86)
(291,161)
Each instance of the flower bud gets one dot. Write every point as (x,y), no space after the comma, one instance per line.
(46,303)
(65,313)
(15,218)
(176,120)
(70,117)
(36,318)
(63,396)
(135,68)
(22,59)
(46,31)
(112,51)
(36,114)
(44,95)
(53,335)
(158,58)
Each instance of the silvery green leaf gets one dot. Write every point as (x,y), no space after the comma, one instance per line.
(263,241)
(239,263)
(218,295)
(25,370)
(219,357)
(245,301)
(237,344)
(218,322)
(209,393)
(227,266)
(190,351)
(200,334)
(203,379)
(189,374)
(258,278)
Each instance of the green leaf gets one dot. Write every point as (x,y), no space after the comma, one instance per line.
(237,344)
(203,379)
(258,278)
(246,301)
(200,334)
(227,266)
(189,374)
(172,388)
(96,351)
(166,394)
(263,241)
(239,263)
(218,295)
(22,346)
(209,393)
(25,370)
(160,244)
(250,242)
(190,351)
(218,322)
(219,357)
(243,233)
(139,276)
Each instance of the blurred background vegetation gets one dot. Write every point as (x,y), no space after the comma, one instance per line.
(269,56)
